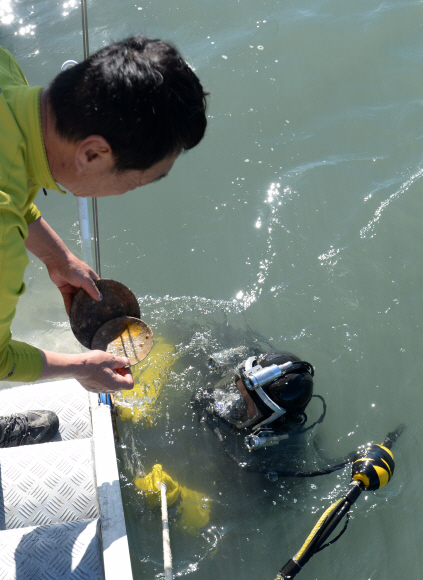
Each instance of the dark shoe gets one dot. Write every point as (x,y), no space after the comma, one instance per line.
(28,428)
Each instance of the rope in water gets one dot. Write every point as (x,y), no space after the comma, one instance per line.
(94,199)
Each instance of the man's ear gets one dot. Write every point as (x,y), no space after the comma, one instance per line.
(93,150)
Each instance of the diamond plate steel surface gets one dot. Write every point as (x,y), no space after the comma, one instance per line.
(60,552)
(48,493)
(47,484)
(66,398)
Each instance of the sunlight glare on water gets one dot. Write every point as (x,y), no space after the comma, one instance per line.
(6,12)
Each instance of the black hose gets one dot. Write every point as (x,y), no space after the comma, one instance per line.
(344,529)
(341,511)
(297,364)
(316,473)
(320,419)
(269,472)
(391,438)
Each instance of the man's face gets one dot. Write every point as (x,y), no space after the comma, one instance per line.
(106,182)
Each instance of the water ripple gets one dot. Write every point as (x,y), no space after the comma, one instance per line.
(404,187)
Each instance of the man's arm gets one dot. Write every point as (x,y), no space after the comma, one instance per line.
(97,371)
(65,270)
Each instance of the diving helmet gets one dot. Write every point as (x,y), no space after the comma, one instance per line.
(272,388)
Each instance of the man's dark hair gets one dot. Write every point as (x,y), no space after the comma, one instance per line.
(139,94)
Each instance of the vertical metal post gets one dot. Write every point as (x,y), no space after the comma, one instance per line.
(84,230)
(85,28)
(94,200)
(96,237)
(82,204)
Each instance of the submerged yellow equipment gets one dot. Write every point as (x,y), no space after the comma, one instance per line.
(193,507)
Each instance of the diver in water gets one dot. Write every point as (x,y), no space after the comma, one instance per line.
(257,410)
(257,406)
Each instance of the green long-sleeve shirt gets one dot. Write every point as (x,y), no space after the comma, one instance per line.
(24,170)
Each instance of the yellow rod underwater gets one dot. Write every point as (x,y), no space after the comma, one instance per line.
(167,554)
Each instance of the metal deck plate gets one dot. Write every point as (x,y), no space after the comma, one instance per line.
(47,484)
(49,493)
(64,551)
(66,398)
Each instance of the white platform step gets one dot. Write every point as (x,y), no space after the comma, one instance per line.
(61,514)
(51,484)
(66,551)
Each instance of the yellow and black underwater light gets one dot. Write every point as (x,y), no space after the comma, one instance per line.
(370,472)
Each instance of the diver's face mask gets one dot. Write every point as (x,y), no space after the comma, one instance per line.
(233,404)
(235,394)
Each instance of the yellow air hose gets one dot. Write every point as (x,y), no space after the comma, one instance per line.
(316,528)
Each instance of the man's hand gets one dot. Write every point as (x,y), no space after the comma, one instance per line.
(97,371)
(105,373)
(66,270)
(72,275)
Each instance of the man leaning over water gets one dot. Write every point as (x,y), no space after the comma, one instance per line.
(114,122)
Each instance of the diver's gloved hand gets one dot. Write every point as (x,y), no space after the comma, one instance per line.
(194,507)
